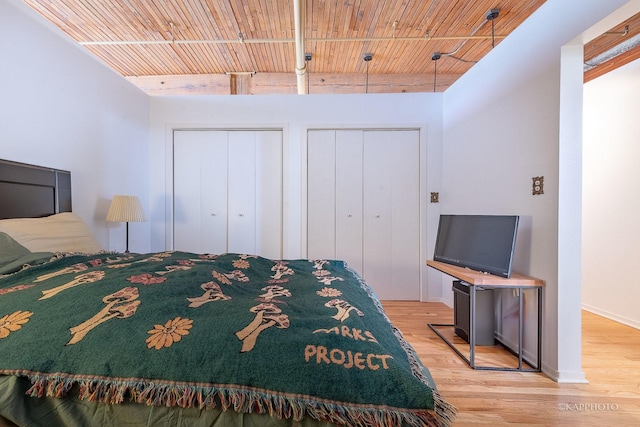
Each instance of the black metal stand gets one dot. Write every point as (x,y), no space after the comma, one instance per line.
(472,332)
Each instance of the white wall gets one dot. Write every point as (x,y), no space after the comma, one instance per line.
(295,114)
(611,206)
(62,108)
(513,117)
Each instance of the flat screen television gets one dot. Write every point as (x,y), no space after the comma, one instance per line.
(480,242)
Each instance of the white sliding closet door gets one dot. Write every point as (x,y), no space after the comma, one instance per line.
(199,191)
(378,234)
(363,205)
(241,195)
(349,208)
(228,192)
(391,238)
(321,196)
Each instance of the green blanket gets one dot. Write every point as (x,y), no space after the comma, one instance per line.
(289,338)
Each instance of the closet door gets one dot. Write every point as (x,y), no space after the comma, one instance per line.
(334,196)
(241,196)
(228,192)
(363,205)
(269,194)
(255,193)
(405,213)
(377,233)
(200,191)
(321,194)
(391,235)
(349,208)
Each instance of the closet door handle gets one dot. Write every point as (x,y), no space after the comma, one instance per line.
(240,214)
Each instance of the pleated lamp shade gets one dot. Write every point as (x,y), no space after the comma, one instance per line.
(125,209)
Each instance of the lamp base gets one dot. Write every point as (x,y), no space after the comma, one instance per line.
(126,251)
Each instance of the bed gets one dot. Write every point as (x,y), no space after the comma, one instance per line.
(89,337)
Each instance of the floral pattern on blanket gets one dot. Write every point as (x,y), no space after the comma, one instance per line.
(272,333)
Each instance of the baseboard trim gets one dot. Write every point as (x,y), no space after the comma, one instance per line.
(612,316)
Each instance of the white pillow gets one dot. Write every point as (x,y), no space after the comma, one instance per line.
(64,232)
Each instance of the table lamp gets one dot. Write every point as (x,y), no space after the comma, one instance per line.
(125,209)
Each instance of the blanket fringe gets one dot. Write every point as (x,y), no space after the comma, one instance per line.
(239,400)
(445,412)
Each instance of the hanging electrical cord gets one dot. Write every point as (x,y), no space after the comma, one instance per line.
(434,58)
(462,59)
(367,58)
(490,16)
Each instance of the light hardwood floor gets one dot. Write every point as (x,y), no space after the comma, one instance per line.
(611,363)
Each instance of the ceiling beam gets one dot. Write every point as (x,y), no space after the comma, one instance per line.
(286,83)
(240,83)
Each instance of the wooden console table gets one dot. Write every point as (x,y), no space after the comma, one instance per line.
(489,281)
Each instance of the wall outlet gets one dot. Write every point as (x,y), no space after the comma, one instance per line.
(538,185)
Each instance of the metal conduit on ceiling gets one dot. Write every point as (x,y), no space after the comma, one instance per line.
(623,47)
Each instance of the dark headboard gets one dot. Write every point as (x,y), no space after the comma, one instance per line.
(29,191)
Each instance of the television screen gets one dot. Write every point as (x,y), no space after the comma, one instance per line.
(480,242)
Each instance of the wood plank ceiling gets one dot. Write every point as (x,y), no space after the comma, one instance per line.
(249,46)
